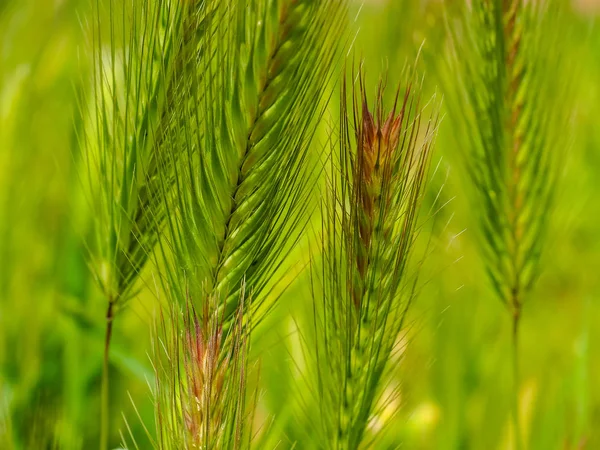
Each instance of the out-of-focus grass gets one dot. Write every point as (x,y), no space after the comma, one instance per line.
(50,317)
(454,373)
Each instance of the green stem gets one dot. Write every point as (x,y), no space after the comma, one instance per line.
(105,397)
(515,368)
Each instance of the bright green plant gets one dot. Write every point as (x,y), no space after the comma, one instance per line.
(237,198)
(508,115)
(241,184)
(160,161)
(202,371)
(139,72)
(364,287)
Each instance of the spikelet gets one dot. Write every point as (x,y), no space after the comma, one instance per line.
(369,227)
(201,379)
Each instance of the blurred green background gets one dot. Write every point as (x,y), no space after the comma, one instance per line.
(454,374)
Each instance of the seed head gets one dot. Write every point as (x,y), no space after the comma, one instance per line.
(379,142)
(378,150)
(205,370)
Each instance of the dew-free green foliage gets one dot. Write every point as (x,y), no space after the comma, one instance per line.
(241,186)
(139,71)
(363,286)
(503,94)
(166,156)
(514,118)
(201,380)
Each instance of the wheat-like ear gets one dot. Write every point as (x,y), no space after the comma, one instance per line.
(361,288)
(201,398)
(499,97)
(141,64)
(510,121)
(241,187)
(134,89)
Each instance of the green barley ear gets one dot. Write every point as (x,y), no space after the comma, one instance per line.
(133,91)
(241,188)
(362,290)
(510,118)
(510,113)
(201,379)
(142,59)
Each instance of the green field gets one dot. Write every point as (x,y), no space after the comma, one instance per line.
(208,241)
